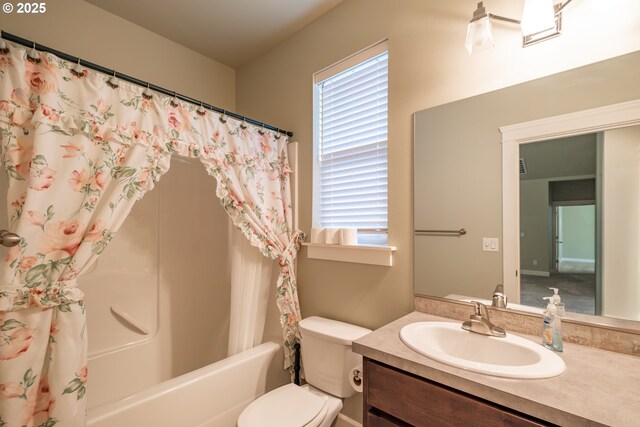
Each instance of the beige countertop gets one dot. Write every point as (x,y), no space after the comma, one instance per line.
(598,388)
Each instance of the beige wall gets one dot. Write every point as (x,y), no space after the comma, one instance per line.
(428,66)
(84,30)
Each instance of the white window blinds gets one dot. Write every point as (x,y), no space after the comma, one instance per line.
(352,150)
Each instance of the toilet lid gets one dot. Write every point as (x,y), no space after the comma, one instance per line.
(287,406)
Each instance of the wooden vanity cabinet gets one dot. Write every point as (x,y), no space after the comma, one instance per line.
(396,398)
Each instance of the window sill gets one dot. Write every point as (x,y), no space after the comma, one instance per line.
(361,254)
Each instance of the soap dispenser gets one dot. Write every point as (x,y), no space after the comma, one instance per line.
(552,332)
(555,299)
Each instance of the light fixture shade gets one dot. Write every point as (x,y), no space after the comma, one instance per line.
(479,35)
(538,16)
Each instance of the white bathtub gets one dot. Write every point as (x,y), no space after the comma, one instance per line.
(212,396)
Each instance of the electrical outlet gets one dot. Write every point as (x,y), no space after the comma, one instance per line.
(535,262)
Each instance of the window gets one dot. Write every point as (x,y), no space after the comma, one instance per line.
(350,150)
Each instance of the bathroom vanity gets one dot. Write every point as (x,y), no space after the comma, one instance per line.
(397,398)
(402,387)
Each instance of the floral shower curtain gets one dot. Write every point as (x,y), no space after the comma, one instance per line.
(79,152)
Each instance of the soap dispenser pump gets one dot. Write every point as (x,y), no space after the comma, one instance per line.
(555,299)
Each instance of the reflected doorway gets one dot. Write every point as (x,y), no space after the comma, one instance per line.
(558,222)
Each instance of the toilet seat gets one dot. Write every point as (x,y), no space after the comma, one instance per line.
(286,406)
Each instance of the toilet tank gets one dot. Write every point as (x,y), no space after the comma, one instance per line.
(327,358)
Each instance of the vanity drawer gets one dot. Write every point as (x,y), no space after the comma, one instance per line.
(420,402)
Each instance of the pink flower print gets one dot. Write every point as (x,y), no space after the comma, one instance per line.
(73,149)
(42,77)
(157,131)
(95,231)
(36,218)
(20,156)
(143,176)
(265,142)
(179,120)
(78,179)
(84,374)
(16,204)
(140,136)
(40,404)
(10,390)
(98,181)
(27,262)
(44,180)
(102,134)
(50,113)
(4,105)
(16,342)
(216,135)
(102,106)
(292,319)
(174,121)
(63,236)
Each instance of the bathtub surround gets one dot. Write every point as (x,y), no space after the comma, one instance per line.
(79,153)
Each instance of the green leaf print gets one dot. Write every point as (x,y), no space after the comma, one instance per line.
(73,386)
(64,308)
(49,423)
(27,381)
(10,324)
(76,385)
(11,170)
(122,172)
(36,272)
(50,212)
(39,159)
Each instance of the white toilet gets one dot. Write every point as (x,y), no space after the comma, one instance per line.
(327,360)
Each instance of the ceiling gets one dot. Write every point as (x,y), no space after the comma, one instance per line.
(233,32)
(571,156)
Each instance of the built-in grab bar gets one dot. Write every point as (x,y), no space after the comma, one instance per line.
(129,320)
(460,232)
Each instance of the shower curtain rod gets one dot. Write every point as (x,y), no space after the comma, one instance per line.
(28,43)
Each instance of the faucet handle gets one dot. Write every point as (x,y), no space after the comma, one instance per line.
(480,309)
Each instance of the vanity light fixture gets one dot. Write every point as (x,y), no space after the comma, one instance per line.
(541,20)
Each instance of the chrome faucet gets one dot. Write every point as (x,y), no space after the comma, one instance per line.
(499,298)
(480,323)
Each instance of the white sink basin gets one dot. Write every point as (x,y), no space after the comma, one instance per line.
(510,357)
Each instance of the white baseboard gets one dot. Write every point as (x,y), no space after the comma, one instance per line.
(344,421)
(535,273)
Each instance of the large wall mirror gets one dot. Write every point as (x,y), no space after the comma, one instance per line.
(551,169)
